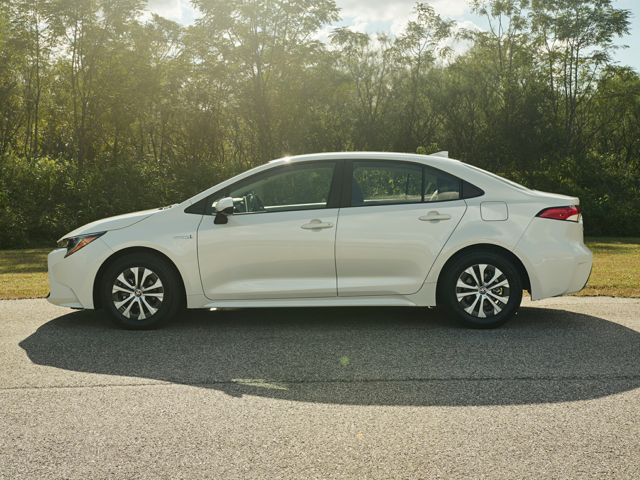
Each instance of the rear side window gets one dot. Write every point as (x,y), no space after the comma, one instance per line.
(439,186)
(383,183)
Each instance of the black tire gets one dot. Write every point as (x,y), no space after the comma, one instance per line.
(138,313)
(499,304)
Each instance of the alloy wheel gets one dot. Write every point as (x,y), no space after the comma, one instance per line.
(482,290)
(137,293)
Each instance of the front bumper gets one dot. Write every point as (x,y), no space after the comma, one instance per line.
(71,279)
(60,294)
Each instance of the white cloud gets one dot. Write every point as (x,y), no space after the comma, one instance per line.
(323,35)
(468,24)
(380,15)
(395,11)
(390,16)
(171,9)
(178,10)
(394,16)
(359,25)
(399,25)
(359,15)
(462,46)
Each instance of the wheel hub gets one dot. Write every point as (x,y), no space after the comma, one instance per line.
(482,290)
(137,293)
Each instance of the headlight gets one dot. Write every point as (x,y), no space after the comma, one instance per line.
(73,244)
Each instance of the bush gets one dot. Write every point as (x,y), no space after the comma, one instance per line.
(43,199)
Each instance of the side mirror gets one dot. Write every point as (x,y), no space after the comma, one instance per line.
(225,205)
(223,208)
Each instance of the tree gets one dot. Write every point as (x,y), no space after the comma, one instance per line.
(266,46)
(419,47)
(515,134)
(371,65)
(577,39)
(11,101)
(33,40)
(94,33)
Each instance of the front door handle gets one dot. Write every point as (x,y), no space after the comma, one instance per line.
(434,216)
(315,223)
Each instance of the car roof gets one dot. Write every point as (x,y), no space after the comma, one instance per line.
(393,156)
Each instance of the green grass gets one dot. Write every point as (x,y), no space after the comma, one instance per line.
(23,273)
(616,270)
(616,267)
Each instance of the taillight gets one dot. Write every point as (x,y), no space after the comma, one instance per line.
(562,213)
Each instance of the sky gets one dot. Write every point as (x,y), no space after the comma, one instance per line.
(391,16)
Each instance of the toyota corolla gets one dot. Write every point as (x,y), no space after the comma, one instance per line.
(335,229)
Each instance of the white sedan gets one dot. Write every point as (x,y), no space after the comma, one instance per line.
(334,229)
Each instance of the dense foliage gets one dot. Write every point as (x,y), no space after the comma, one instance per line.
(104,110)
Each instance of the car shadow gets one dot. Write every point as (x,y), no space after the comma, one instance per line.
(359,356)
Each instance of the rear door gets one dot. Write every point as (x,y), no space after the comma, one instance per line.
(394,221)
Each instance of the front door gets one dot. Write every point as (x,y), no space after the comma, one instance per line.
(280,241)
(397,221)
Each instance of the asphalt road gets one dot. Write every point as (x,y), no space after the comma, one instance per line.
(322,393)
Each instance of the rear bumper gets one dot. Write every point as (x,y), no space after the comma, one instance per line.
(580,277)
(555,256)
(587,282)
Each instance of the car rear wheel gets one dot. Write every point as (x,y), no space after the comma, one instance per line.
(482,290)
(140,291)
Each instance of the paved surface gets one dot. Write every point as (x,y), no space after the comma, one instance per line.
(322,393)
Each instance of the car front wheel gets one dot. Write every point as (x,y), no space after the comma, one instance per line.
(482,290)
(140,291)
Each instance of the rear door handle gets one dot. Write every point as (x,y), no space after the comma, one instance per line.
(434,216)
(315,223)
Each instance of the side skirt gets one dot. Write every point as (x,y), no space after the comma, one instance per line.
(425,297)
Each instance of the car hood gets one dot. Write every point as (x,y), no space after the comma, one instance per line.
(112,223)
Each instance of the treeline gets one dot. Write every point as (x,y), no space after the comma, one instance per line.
(105,109)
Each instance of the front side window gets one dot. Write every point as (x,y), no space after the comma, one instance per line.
(385,183)
(293,187)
